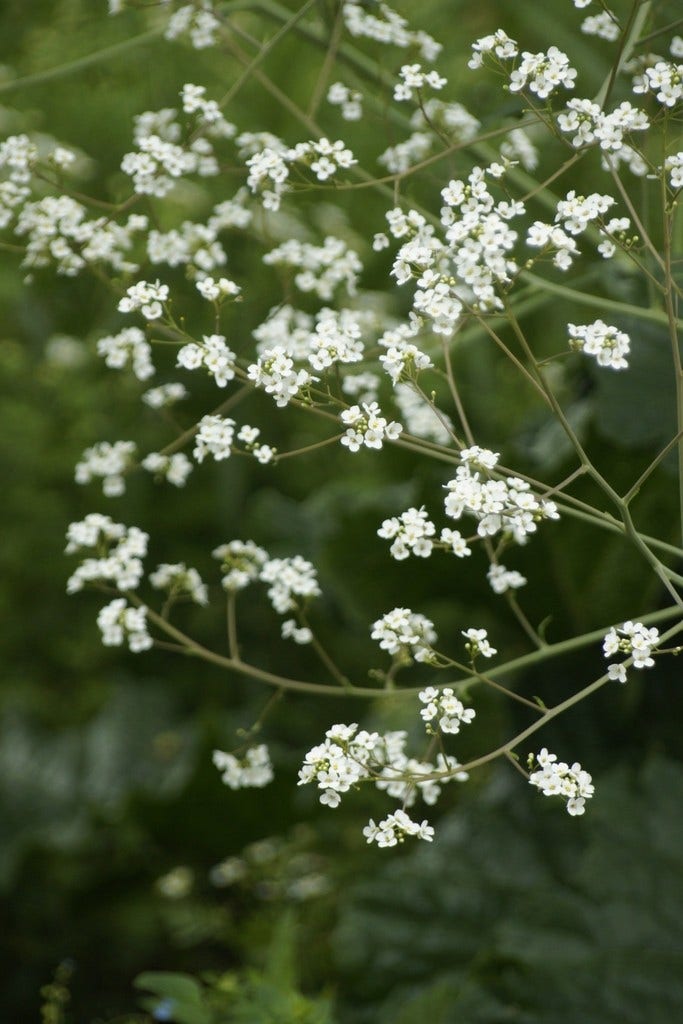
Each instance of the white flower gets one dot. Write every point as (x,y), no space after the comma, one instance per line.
(350,101)
(214,354)
(395,828)
(174,468)
(180,581)
(555,778)
(444,709)
(542,73)
(214,437)
(131,345)
(499,505)
(164,395)
(413,78)
(299,634)
(119,622)
(146,297)
(241,562)
(603,25)
(609,345)
(253,771)
(477,643)
(289,578)
(411,534)
(502,579)
(405,632)
(109,462)
(119,551)
(367,427)
(632,638)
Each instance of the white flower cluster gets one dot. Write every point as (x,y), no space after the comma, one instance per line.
(615,231)
(119,552)
(129,345)
(404,361)
(323,157)
(249,436)
(217,291)
(147,297)
(397,159)
(241,563)
(413,79)
(254,770)
(587,122)
(386,26)
(502,579)
(632,638)
(665,79)
(193,246)
(609,345)
(289,578)
(444,711)
(674,164)
(477,643)
(120,623)
(180,581)
(411,533)
(164,395)
(350,101)
(212,353)
(322,268)
(543,73)
(269,167)
(17,156)
(402,631)
(394,829)
(108,462)
(552,238)
(404,777)
(479,238)
(335,339)
(196,21)
(345,758)
(366,427)
(498,44)
(173,468)
(208,113)
(290,630)
(555,778)
(275,372)
(58,232)
(287,329)
(215,436)
(348,757)
(576,212)
(268,173)
(160,159)
(603,25)
(499,505)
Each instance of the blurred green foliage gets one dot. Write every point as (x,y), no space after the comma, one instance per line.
(121,852)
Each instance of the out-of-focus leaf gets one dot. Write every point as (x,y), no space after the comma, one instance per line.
(540,920)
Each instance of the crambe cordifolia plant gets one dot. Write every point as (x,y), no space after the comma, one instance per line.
(269,308)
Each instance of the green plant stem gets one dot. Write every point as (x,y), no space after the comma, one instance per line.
(194,649)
